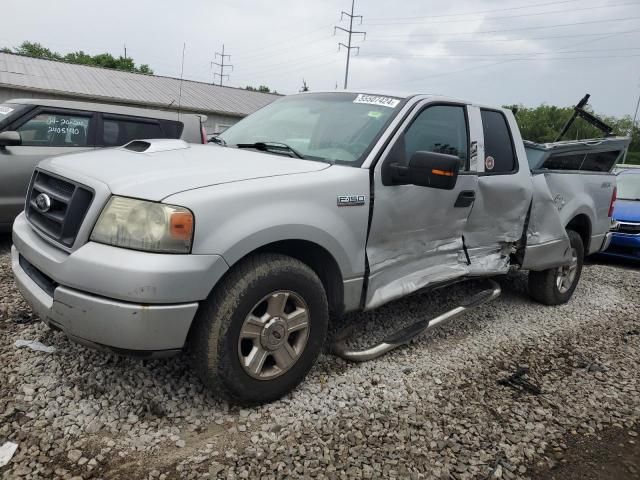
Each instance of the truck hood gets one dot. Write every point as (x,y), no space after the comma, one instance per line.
(159,172)
(627,211)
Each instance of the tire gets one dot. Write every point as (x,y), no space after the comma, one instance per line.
(543,286)
(229,363)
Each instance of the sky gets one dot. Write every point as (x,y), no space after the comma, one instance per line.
(494,52)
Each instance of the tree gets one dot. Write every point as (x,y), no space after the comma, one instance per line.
(261,88)
(106,60)
(544,123)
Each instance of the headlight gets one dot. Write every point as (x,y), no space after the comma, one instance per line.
(141,225)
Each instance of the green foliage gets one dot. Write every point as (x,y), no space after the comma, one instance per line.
(106,60)
(544,123)
(261,88)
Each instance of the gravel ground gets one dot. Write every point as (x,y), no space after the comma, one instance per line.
(435,409)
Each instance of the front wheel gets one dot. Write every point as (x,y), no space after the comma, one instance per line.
(260,331)
(555,286)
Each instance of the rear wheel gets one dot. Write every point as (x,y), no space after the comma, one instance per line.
(260,331)
(555,286)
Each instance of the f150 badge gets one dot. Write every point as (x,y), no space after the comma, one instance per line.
(350,200)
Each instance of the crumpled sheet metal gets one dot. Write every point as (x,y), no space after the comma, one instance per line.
(547,241)
(499,211)
(443,263)
(493,260)
(396,276)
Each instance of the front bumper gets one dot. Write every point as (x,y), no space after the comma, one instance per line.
(103,322)
(132,302)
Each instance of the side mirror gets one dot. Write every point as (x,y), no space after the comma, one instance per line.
(8,139)
(427,169)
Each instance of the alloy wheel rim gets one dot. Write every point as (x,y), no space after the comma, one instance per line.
(274,335)
(566,276)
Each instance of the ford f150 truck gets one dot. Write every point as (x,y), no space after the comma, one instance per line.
(318,204)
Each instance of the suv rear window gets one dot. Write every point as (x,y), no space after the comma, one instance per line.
(117,132)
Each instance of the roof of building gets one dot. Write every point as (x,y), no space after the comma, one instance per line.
(103,84)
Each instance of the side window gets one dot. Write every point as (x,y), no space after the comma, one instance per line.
(56,129)
(499,157)
(172,129)
(440,129)
(117,132)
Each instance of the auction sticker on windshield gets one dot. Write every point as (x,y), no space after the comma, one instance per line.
(377,100)
(5,110)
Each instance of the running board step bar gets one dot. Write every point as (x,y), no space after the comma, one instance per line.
(405,335)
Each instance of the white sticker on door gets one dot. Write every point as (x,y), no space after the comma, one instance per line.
(5,110)
(377,100)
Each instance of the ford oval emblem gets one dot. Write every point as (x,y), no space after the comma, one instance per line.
(43,202)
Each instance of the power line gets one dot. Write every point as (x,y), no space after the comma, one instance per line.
(492,55)
(516,29)
(276,66)
(476,67)
(350,32)
(524,39)
(289,40)
(550,12)
(479,11)
(222,65)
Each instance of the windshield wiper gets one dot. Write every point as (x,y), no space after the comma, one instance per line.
(266,146)
(218,140)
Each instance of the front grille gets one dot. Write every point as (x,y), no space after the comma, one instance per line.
(632,228)
(68,203)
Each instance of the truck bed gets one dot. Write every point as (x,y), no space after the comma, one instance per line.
(574,177)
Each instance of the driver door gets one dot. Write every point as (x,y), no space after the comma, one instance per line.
(416,234)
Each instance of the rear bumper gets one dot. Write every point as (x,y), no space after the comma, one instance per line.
(106,323)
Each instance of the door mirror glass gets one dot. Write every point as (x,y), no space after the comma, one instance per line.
(427,169)
(8,139)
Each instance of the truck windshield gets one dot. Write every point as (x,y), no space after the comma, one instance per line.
(629,186)
(332,127)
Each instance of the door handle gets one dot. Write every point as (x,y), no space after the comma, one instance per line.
(465,199)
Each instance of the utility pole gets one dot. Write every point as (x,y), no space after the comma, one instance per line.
(222,65)
(350,32)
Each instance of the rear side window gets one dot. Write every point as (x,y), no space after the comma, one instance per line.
(499,155)
(117,131)
(56,129)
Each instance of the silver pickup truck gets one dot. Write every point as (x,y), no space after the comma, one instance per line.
(318,204)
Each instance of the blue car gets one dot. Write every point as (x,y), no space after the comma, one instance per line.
(625,240)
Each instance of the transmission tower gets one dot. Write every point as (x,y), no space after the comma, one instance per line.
(222,65)
(350,33)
